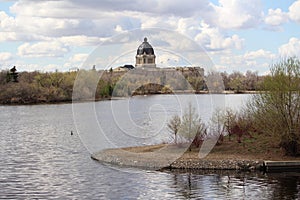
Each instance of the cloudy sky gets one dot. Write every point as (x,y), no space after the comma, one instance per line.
(238,35)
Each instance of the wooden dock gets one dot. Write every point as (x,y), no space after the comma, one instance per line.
(281,166)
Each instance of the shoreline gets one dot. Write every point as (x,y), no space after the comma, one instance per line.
(114,98)
(164,156)
(171,157)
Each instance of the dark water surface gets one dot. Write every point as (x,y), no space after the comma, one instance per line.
(40,159)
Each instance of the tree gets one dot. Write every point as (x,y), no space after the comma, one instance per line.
(277,110)
(217,124)
(192,128)
(229,120)
(251,80)
(174,125)
(215,82)
(236,81)
(226,80)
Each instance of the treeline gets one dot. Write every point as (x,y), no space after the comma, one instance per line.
(50,87)
(36,87)
(238,82)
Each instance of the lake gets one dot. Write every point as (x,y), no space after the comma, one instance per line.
(40,159)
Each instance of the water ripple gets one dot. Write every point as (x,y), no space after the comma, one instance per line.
(41,160)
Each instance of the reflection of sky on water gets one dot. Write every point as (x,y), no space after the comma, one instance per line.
(40,159)
(141,119)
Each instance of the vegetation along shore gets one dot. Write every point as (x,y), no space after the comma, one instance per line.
(54,87)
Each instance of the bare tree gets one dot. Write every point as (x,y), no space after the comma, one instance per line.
(174,125)
(192,128)
(217,124)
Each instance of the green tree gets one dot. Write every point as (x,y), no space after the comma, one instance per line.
(236,81)
(277,110)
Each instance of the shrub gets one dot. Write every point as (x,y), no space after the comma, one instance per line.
(277,110)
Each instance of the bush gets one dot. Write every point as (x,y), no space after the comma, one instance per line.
(239,124)
(277,110)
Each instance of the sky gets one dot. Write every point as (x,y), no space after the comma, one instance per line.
(62,34)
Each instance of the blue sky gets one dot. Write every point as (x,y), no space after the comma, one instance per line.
(59,35)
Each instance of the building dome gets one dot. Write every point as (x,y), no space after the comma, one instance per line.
(145,57)
(146,48)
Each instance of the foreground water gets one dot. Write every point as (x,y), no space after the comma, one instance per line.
(40,159)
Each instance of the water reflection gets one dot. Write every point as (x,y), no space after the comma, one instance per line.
(41,160)
(286,185)
(234,185)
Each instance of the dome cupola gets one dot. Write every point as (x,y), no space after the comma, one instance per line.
(145,57)
(145,48)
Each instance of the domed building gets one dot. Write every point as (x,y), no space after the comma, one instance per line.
(145,57)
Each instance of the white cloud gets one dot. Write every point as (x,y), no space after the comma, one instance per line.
(79,58)
(237,14)
(232,61)
(70,20)
(276,17)
(162,21)
(188,26)
(52,28)
(37,67)
(212,39)
(7,23)
(292,48)
(258,60)
(259,54)
(8,36)
(91,8)
(103,18)
(294,13)
(80,40)
(5,56)
(167,60)
(43,49)
(76,61)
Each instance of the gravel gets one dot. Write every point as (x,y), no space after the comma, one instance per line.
(168,157)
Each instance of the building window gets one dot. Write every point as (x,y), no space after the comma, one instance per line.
(144,60)
(150,60)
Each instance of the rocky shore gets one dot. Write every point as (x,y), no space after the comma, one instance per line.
(173,157)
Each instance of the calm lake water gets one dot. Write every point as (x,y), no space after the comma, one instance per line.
(40,159)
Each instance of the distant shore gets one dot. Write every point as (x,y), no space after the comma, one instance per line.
(15,101)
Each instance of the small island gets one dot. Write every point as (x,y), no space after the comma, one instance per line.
(250,155)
